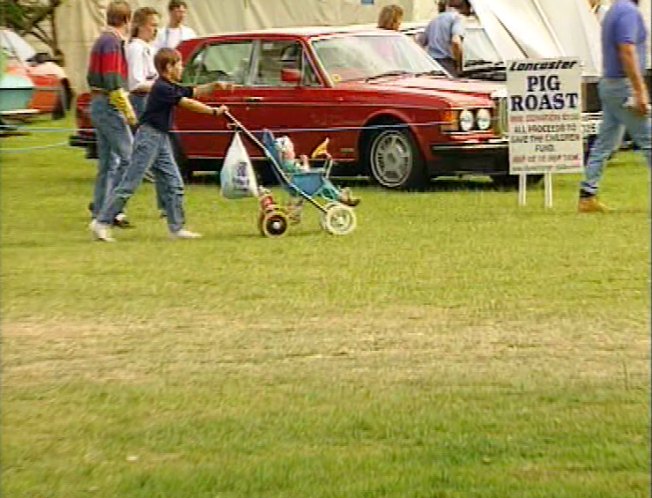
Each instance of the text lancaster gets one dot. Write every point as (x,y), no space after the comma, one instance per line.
(540,66)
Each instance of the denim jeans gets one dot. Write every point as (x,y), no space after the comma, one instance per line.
(139,103)
(613,94)
(152,149)
(114,141)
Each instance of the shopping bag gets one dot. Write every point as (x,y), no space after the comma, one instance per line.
(237,178)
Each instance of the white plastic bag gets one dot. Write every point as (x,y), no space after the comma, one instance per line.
(237,178)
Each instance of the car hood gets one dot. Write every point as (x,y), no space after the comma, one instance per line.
(457,92)
(49,69)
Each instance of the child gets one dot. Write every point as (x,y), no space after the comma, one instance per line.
(152,147)
(292,165)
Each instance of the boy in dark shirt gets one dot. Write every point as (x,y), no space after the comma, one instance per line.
(152,147)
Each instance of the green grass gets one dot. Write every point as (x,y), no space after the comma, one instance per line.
(455,345)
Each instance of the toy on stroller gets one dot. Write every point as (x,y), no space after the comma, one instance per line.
(313,186)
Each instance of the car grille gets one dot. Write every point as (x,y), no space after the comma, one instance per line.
(501,126)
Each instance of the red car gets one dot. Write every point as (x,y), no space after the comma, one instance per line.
(52,92)
(387,107)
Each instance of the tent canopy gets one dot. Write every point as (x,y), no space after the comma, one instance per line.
(538,28)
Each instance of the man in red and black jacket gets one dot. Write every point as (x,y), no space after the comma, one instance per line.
(111,111)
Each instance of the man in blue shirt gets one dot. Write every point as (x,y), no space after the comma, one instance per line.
(623,94)
(443,37)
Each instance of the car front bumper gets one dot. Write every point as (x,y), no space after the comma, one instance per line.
(484,157)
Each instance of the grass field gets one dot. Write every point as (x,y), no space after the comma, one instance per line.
(454,346)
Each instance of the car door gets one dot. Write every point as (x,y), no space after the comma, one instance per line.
(202,135)
(286,94)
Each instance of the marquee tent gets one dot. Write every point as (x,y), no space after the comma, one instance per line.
(80,21)
(539,28)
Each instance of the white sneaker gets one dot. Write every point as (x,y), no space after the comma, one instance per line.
(185,234)
(101,231)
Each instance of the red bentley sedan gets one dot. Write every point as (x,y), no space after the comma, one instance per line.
(388,108)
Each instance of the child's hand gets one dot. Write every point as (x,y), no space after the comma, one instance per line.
(218,111)
(305,165)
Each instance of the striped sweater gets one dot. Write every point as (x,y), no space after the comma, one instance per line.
(108,71)
(107,67)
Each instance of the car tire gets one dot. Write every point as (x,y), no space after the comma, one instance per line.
(508,181)
(394,160)
(59,111)
(91,151)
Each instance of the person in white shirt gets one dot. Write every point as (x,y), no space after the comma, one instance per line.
(142,72)
(175,32)
(140,57)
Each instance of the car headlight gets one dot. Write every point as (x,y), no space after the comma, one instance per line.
(483,118)
(466,120)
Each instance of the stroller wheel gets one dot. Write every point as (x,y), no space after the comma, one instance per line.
(339,219)
(273,224)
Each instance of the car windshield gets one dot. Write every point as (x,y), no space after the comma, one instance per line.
(14,44)
(478,49)
(372,57)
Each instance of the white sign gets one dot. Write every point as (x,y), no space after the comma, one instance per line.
(545,116)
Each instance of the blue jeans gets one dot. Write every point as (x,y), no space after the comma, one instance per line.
(114,140)
(613,94)
(139,103)
(152,149)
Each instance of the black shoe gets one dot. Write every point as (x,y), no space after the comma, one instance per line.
(90,207)
(122,222)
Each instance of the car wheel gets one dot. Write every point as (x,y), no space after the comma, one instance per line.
(511,181)
(91,151)
(59,111)
(395,160)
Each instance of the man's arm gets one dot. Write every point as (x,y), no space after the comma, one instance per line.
(457,50)
(629,58)
(208,88)
(457,37)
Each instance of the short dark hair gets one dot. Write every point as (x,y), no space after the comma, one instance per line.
(175,4)
(164,58)
(118,13)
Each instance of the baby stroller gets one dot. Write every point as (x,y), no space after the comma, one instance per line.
(274,219)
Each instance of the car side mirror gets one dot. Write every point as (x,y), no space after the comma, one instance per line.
(292,76)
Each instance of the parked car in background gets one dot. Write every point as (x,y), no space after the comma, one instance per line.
(16,92)
(482,61)
(52,92)
(389,110)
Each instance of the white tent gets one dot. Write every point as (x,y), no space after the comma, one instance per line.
(540,28)
(79,22)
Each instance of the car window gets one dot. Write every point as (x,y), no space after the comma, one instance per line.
(356,57)
(220,62)
(478,48)
(275,56)
(13,43)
